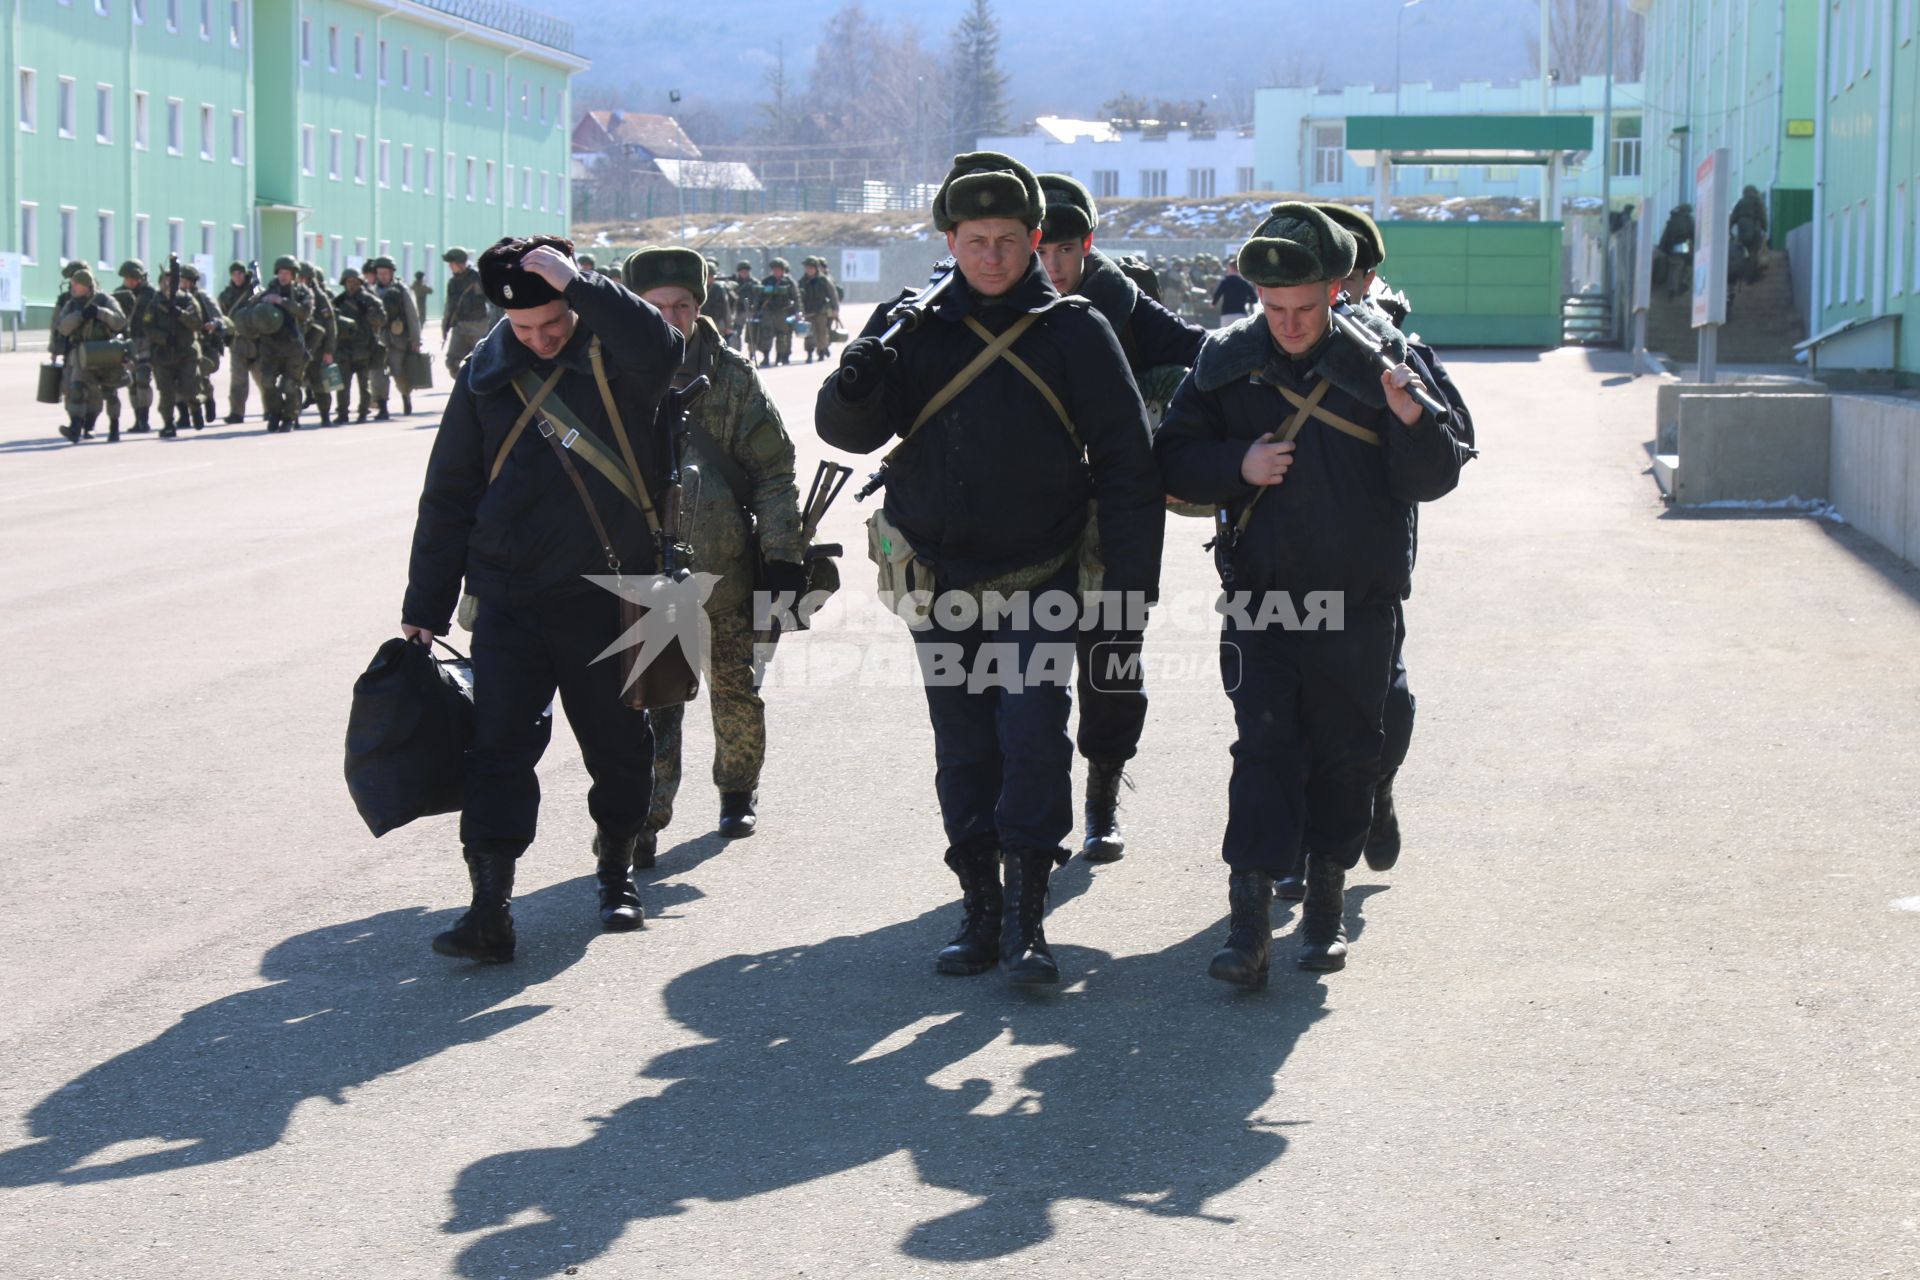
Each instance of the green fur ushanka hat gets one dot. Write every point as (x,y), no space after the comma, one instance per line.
(986,184)
(1071,213)
(1370,247)
(1297,244)
(651,268)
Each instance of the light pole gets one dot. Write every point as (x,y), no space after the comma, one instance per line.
(1399,25)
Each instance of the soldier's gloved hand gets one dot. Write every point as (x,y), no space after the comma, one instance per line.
(785,583)
(90,311)
(863,367)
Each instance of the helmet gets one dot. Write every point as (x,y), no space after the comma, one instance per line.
(286,262)
(455,254)
(349,274)
(133,267)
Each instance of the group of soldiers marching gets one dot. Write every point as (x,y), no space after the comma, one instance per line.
(763,315)
(290,335)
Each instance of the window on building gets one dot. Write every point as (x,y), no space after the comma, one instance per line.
(306,150)
(29,104)
(238,240)
(380,62)
(526,188)
(469,84)
(1862,261)
(406,260)
(506,186)
(1153,182)
(1838,291)
(489,101)
(306,42)
(206,239)
(63,106)
(105,256)
(1200,183)
(233,23)
(448,79)
(489,182)
(526,101)
(206,19)
(406,67)
(448,185)
(1443,173)
(426,73)
(237,138)
(176,127)
(1243,178)
(176,236)
(543,104)
(1503,173)
(1329,153)
(206,131)
(543,190)
(359,56)
(470,184)
(426,171)
(1626,147)
(383,156)
(139,13)
(386,248)
(173,15)
(69,233)
(1906,19)
(333,48)
(406,166)
(142,237)
(140,119)
(360,158)
(29,231)
(359,249)
(1106,183)
(103,113)
(333,154)
(100,7)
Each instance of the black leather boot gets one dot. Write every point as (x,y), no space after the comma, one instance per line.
(72,430)
(1023,938)
(976,948)
(737,818)
(235,416)
(198,414)
(1292,886)
(1383,837)
(341,404)
(140,424)
(620,909)
(113,431)
(382,415)
(645,849)
(325,404)
(167,430)
(1323,917)
(406,404)
(1244,959)
(1104,841)
(485,932)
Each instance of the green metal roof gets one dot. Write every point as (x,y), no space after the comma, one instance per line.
(1467,139)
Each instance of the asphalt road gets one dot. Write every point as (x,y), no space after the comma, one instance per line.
(1639,1001)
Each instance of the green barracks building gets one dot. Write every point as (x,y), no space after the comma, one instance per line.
(245,129)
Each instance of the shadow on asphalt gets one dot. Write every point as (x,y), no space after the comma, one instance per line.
(347,1004)
(1151,1095)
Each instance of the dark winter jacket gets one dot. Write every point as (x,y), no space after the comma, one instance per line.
(1342,519)
(1149,334)
(527,537)
(1235,294)
(993,484)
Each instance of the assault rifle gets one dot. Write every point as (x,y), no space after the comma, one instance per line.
(1348,326)
(905,317)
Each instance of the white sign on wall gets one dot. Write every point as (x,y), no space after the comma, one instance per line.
(1710,240)
(12,295)
(860,266)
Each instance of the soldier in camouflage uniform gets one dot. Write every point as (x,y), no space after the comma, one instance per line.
(89,316)
(773,310)
(421,291)
(323,337)
(360,352)
(467,316)
(283,355)
(718,306)
(743,291)
(403,336)
(820,303)
(135,298)
(216,334)
(173,321)
(746,497)
(242,354)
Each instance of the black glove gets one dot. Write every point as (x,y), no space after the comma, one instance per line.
(784,577)
(863,367)
(91,311)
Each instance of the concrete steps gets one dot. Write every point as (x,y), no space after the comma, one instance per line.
(1762,326)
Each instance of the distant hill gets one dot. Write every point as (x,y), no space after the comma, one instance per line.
(1067,56)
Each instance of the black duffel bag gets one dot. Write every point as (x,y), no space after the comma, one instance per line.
(408,734)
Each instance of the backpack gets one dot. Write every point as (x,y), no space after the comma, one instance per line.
(259,320)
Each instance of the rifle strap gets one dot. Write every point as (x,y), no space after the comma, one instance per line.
(1026,371)
(1331,418)
(595,359)
(533,404)
(560,451)
(1304,407)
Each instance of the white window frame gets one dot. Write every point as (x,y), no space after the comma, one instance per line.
(429,159)
(543,190)
(206,20)
(176,127)
(307,150)
(27,83)
(333,258)
(526,187)
(237,136)
(103,234)
(103,113)
(333,48)
(1863,264)
(1327,144)
(406,68)
(30,231)
(360,249)
(142,237)
(173,15)
(206,131)
(406,260)
(141,119)
(101,7)
(489,187)
(1897,268)
(139,8)
(1201,183)
(176,235)
(359,56)
(383,162)
(237,239)
(333,155)
(489,101)
(1243,180)
(69,232)
(470,174)
(452,183)
(1153,183)
(306,42)
(406,166)
(427,63)
(469,84)
(543,104)
(360,159)
(206,238)
(66,107)
(234,21)
(380,62)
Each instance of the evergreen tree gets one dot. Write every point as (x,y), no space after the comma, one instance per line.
(979,85)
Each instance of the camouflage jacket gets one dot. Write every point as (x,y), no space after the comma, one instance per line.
(137,306)
(361,341)
(719,305)
(738,415)
(778,298)
(170,326)
(466,302)
(323,334)
(232,296)
(817,294)
(403,317)
(73,325)
(297,301)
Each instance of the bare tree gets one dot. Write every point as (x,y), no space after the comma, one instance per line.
(1579,35)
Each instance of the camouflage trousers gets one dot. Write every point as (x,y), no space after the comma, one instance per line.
(820,333)
(775,336)
(370,371)
(239,380)
(280,377)
(140,384)
(396,372)
(88,390)
(739,720)
(178,381)
(461,340)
